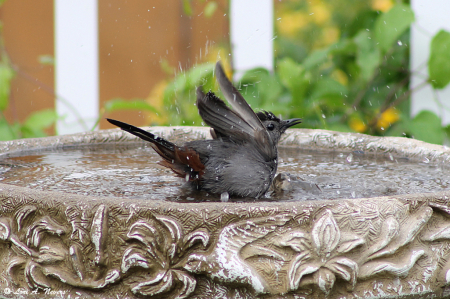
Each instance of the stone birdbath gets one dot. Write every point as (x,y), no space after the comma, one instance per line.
(69,245)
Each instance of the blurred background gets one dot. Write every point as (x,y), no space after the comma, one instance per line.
(379,67)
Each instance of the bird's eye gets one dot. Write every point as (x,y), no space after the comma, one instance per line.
(270,127)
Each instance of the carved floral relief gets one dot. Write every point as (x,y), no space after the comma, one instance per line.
(396,247)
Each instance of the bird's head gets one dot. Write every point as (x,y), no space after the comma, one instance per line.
(274,125)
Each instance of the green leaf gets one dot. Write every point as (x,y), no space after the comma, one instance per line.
(316,59)
(289,72)
(187,81)
(136,104)
(6,131)
(165,66)
(187,7)
(426,126)
(41,119)
(368,55)
(6,74)
(390,25)
(439,63)
(328,87)
(295,78)
(28,132)
(259,87)
(210,8)
(447,132)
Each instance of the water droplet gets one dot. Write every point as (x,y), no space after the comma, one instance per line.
(399,43)
(350,158)
(224,197)
(323,116)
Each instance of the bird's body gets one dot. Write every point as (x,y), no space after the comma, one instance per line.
(230,165)
(240,160)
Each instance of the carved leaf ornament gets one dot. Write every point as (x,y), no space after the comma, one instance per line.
(159,247)
(163,260)
(322,255)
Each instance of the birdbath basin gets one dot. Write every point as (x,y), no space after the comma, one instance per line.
(134,232)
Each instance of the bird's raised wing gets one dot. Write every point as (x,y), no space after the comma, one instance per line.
(224,121)
(236,100)
(239,123)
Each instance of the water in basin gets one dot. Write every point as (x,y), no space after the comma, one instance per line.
(132,171)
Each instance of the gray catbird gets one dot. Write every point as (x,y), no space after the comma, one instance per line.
(242,157)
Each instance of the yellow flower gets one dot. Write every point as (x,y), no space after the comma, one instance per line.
(382,5)
(330,35)
(220,53)
(289,24)
(387,118)
(155,98)
(340,76)
(320,13)
(357,125)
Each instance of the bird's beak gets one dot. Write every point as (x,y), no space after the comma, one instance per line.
(291,122)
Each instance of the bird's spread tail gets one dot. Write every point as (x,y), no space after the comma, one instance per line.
(147,136)
(183,161)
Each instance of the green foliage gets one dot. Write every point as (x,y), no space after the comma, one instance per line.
(209,9)
(32,127)
(36,123)
(121,104)
(439,63)
(368,56)
(187,7)
(357,80)
(180,94)
(6,75)
(427,126)
(357,83)
(389,26)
